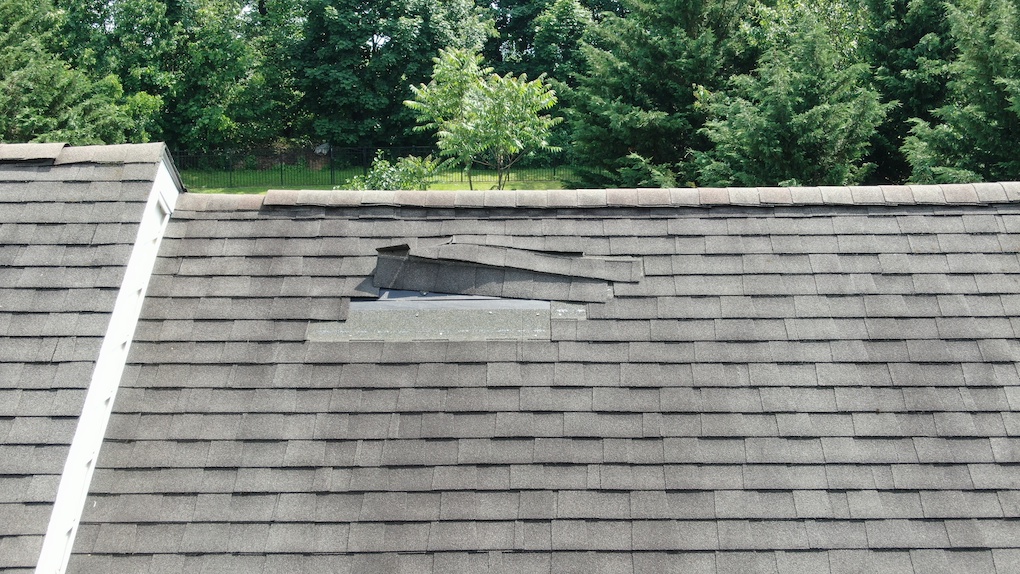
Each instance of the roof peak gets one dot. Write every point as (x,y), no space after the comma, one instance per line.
(63,154)
(876,195)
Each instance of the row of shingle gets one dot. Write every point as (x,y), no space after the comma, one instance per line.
(40,458)
(777,329)
(951,311)
(85,173)
(564,534)
(285,327)
(534,399)
(556,476)
(280,453)
(45,374)
(252,366)
(43,324)
(523,425)
(920,561)
(791,284)
(70,234)
(592,198)
(521,285)
(966,306)
(28,488)
(246,239)
(56,350)
(520,228)
(65,255)
(243,287)
(883,263)
(564,504)
(89,195)
(534,230)
(51,402)
(71,213)
(256,264)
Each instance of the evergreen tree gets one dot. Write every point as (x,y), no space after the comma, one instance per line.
(559,30)
(43,99)
(975,134)
(909,48)
(804,116)
(632,115)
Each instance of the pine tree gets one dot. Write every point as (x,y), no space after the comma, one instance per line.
(974,136)
(631,115)
(804,116)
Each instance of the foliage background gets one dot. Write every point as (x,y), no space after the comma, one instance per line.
(672,92)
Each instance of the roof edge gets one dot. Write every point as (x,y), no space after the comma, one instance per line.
(955,194)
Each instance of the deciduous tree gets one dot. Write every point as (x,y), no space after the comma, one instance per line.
(484,118)
(358,57)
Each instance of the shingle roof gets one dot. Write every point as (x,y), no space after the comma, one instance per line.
(68,219)
(801,380)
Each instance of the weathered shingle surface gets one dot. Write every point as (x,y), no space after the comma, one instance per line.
(68,219)
(823,387)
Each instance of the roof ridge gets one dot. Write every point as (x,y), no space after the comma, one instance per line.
(863,195)
(30,152)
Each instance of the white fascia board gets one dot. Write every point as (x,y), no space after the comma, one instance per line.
(106,376)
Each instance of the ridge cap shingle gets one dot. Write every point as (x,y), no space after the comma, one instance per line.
(857,195)
(26,152)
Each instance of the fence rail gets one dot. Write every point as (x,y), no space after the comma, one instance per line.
(326,166)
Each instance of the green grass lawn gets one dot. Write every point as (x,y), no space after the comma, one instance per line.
(294,177)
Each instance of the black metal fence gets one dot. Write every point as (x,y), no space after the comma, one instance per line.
(328,166)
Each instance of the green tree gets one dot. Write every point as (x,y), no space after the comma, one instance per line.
(267,111)
(521,45)
(804,116)
(214,64)
(481,117)
(631,115)
(43,99)
(358,56)
(908,45)
(559,30)
(974,135)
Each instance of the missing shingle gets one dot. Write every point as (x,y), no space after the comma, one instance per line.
(418,316)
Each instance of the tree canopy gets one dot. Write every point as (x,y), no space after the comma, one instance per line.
(673,92)
(481,117)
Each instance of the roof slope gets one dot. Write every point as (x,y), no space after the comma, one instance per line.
(68,219)
(813,384)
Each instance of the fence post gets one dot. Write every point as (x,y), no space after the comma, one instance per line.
(332,171)
(230,169)
(364,161)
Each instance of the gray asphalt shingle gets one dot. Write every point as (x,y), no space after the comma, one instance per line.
(797,383)
(66,238)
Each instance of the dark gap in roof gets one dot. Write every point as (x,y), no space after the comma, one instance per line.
(401,270)
(477,269)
